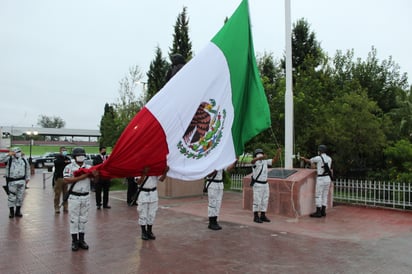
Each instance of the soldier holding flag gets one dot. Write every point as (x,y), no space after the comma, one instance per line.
(147,202)
(79,199)
(214,188)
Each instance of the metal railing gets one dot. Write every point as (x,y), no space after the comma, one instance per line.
(362,192)
(236,183)
(373,193)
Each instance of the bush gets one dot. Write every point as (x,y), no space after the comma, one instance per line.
(118,184)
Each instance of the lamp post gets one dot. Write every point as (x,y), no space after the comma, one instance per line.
(31,133)
(143,85)
(143,95)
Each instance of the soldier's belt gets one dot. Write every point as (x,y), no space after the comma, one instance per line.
(9,179)
(148,189)
(215,181)
(79,193)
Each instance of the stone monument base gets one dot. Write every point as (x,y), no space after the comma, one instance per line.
(293,196)
(174,188)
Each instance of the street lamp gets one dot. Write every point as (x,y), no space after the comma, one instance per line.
(143,96)
(143,85)
(31,133)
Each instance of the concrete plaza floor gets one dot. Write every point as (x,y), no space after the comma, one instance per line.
(349,240)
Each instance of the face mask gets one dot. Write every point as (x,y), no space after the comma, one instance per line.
(18,154)
(104,153)
(259,155)
(80,158)
(64,152)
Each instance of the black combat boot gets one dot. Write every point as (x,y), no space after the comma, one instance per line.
(18,213)
(11,215)
(256,217)
(217,224)
(150,234)
(75,242)
(316,214)
(144,233)
(82,243)
(213,225)
(323,211)
(263,217)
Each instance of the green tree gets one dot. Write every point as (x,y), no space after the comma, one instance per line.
(402,115)
(128,104)
(383,81)
(50,121)
(353,131)
(306,50)
(108,127)
(181,40)
(156,75)
(399,161)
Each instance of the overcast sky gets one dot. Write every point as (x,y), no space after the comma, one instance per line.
(66,58)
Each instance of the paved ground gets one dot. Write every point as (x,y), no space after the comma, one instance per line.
(348,240)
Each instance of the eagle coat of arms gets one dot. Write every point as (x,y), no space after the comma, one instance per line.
(204,131)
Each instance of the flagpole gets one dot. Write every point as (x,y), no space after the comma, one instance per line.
(289,92)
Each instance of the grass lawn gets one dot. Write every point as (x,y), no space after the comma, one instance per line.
(118,184)
(40,150)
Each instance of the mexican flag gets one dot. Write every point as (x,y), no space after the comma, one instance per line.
(202,118)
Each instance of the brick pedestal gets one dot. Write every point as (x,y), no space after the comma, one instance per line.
(174,188)
(291,197)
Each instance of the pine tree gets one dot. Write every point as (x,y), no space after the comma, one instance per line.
(181,40)
(108,127)
(306,50)
(156,74)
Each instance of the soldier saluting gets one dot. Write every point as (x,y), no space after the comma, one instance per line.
(17,175)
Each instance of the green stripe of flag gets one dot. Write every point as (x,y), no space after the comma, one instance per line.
(251,109)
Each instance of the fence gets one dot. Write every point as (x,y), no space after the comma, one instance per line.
(361,192)
(236,181)
(373,193)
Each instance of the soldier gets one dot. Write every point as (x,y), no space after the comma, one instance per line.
(260,184)
(323,165)
(147,202)
(214,188)
(79,199)
(103,184)
(17,176)
(60,188)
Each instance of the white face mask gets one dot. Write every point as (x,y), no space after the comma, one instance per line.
(259,155)
(18,154)
(80,158)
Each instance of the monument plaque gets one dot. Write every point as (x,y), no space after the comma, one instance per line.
(280,173)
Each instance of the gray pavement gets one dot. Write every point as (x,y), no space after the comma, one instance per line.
(349,240)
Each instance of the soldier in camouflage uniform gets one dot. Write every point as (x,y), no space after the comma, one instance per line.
(17,176)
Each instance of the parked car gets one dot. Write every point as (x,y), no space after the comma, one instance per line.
(90,158)
(46,160)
